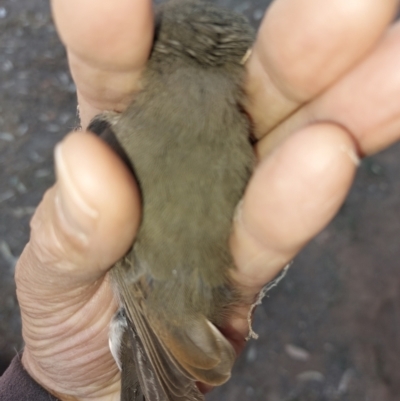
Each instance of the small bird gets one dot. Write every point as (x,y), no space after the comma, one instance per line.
(186,139)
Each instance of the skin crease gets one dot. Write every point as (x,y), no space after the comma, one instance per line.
(306,166)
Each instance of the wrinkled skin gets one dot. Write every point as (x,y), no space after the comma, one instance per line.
(334,90)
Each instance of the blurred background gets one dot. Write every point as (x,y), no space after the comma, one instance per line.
(329,331)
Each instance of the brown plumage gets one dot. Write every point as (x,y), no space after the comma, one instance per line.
(187,142)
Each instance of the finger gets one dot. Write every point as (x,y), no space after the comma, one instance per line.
(108,44)
(365,102)
(293,194)
(83,225)
(303,46)
(87,221)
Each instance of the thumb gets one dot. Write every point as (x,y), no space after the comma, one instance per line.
(84,224)
(87,220)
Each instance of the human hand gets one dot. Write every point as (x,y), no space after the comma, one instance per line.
(296,189)
(88,219)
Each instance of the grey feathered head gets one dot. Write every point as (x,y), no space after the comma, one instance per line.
(211,39)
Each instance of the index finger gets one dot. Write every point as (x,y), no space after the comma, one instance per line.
(108,44)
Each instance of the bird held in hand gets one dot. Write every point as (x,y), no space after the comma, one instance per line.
(186,138)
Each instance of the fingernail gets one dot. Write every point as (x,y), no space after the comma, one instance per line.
(351,153)
(77,217)
(238,211)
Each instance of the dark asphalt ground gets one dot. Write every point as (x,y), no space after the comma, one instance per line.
(329,332)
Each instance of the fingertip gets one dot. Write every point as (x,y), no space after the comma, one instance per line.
(292,195)
(296,61)
(108,37)
(98,196)
(108,47)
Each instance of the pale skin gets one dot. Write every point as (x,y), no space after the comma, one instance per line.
(324,87)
